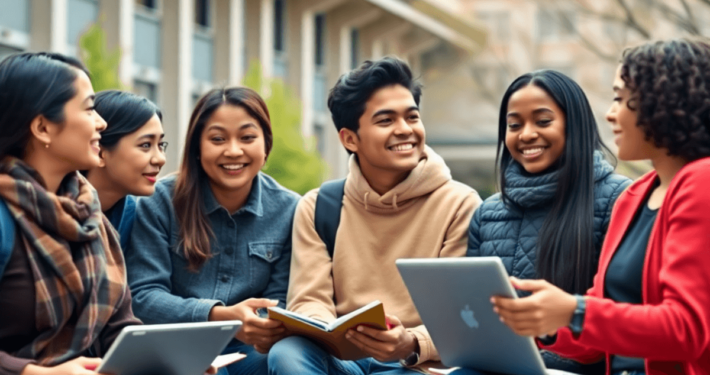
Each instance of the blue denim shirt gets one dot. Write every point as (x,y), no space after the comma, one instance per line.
(251,254)
(121,216)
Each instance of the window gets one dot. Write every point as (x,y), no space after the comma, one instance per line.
(203,44)
(147,40)
(15,15)
(147,49)
(202,13)
(279,25)
(81,14)
(498,23)
(202,56)
(150,4)
(320,39)
(7,51)
(354,48)
(14,25)
(146,89)
(552,25)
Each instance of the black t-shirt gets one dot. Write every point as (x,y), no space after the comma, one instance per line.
(625,273)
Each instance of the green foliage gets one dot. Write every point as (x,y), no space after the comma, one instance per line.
(294,161)
(102,64)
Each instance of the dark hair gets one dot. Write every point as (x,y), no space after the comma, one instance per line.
(566,253)
(195,231)
(671,82)
(33,84)
(347,98)
(124,113)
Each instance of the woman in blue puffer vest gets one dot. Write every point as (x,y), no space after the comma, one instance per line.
(556,191)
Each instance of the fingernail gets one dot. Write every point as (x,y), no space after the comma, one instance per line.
(502,320)
(493,300)
(360,329)
(495,309)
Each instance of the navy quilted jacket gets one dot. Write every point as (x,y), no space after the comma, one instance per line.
(511,234)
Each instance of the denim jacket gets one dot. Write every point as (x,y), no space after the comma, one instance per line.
(251,254)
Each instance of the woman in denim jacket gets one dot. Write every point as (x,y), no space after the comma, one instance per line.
(214,241)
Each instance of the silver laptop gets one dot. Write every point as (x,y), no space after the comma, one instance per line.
(176,349)
(452,296)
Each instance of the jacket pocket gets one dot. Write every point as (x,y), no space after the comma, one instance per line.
(267,251)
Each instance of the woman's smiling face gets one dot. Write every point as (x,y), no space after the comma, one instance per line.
(535,133)
(232,148)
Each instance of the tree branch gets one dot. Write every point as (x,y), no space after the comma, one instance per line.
(631,21)
(686,22)
(591,46)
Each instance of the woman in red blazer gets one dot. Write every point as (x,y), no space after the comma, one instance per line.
(649,308)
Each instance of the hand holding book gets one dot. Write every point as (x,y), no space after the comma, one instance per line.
(385,346)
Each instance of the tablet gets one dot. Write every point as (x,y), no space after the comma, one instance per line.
(452,296)
(176,349)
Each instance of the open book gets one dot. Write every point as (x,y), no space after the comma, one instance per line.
(332,335)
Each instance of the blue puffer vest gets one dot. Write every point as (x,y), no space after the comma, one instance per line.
(511,234)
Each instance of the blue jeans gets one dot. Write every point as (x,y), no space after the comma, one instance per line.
(254,364)
(299,355)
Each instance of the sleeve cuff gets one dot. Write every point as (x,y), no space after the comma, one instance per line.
(546,340)
(201,311)
(427,351)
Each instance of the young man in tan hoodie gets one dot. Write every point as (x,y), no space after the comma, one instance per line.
(399,202)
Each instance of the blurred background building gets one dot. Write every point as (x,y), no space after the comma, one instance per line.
(465,51)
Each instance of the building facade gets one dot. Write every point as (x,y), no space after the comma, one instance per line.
(175,50)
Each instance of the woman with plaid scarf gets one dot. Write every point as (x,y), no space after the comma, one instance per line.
(63,292)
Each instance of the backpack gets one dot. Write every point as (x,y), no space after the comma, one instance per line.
(7,235)
(329,203)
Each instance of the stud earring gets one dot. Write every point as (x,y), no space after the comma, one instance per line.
(46,145)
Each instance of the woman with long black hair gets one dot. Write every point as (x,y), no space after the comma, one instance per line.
(132,154)
(556,190)
(63,292)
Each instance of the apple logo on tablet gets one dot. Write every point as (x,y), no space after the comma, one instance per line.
(468,318)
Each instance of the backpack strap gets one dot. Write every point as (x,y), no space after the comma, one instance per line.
(7,235)
(329,203)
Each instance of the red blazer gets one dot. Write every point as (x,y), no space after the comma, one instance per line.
(671,329)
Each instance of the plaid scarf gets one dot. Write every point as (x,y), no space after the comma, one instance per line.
(75,259)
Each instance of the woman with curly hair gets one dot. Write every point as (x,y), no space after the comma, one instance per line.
(648,311)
